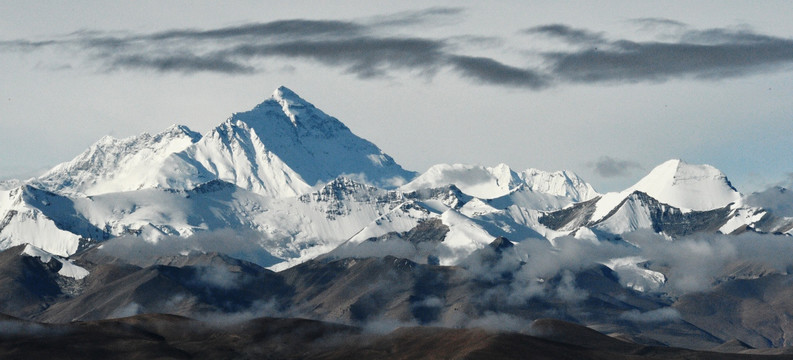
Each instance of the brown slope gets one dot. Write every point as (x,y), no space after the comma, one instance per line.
(754,311)
(216,284)
(27,286)
(167,336)
(359,290)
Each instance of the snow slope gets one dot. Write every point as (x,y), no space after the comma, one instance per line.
(318,146)
(43,219)
(559,183)
(112,165)
(632,215)
(297,227)
(532,188)
(464,237)
(67,269)
(675,199)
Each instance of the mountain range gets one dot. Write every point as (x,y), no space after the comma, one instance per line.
(283,211)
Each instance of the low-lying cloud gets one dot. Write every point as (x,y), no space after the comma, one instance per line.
(243,245)
(690,264)
(10,328)
(658,315)
(778,199)
(130,309)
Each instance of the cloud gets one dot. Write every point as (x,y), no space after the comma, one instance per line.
(495,73)
(258,309)
(26,45)
(607,166)
(654,23)
(364,56)
(186,63)
(220,276)
(128,310)
(242,245)
(708,54)
(539,272)
(535,277)
(658,315)
(496,321)
(25,328)
(567,34)
(690,264)
(428,16)
(385,326)
(695,263)
(389,246)
(777,199)
(293,28)
(353,46)
(378,47)
(567,291)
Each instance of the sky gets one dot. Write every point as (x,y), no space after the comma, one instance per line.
(607,89)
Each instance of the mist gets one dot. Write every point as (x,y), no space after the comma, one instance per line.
(246,246)
(503,286)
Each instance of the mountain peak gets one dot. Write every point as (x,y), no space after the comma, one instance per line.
(308,146)
(678,173)
(284,93)
(113,164)
(178,130)
(681,185)
(293,106)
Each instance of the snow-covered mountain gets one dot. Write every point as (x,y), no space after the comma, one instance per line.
(532,188)
(676,199)
(283,210)
(282,147)
(297,183)
(46,220)
(113,165)
(678,184)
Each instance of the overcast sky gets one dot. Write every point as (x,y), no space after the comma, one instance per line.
(606,89)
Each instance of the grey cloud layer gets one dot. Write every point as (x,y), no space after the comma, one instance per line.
(368,48)
(364,56)
(703,54)
(607,166)
(493,72)
(651,23)
(567,33)
(187,63)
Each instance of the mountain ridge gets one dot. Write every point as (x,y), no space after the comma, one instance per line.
(299,183)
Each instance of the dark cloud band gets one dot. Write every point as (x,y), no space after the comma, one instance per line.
(364,56)
(493,72)
(567,33)
(186,63)
(368,49)
(627,61)
(607,166)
